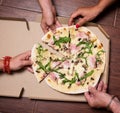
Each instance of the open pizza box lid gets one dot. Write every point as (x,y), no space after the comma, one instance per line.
(17,36)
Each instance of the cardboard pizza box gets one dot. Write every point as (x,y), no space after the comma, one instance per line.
(17,36)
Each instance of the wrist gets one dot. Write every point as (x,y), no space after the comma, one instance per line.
(103,4)
(115,105)
(98,8)
(46,5)
(6,64)
(50,9)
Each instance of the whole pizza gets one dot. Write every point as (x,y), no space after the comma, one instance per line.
(80,62)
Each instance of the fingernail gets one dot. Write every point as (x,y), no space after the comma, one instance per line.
(77,25)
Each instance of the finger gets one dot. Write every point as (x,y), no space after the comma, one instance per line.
(100,86)
(25,55)
(104,87)
(44,28)
(52,27)
(58,24)
(73,16)
(87,96)
(81,21)
(92,90)
(71,21)
(30,70)
(28,54)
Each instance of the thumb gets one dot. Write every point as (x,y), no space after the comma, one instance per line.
(58,24)
(87,96)
(26,62)
(81,21)
(44,27)
(52,28)
(30,70)
(92,90)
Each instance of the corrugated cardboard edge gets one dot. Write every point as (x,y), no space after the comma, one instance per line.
(17,19)
(99,26)
(58,100)
(18,95)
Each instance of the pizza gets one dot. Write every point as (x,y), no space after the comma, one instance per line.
(81,65)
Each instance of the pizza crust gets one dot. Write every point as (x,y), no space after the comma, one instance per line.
(75,89)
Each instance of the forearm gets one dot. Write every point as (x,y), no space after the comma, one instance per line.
(1,65)
(102,4)
(46,5)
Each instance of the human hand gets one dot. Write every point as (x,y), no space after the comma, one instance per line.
(84,14)
(97,97)
(49,20)
(20,61)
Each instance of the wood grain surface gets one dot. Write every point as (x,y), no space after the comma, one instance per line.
(110,21)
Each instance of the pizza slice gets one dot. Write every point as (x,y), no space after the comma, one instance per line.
(59,40)
(82,39)
(62,72)
(43,61)
(89,66)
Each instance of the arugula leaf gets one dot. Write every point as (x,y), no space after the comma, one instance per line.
(61,40)
(81,55)
(98,59)
(62,76)
(88,46)
(65,81)
(76,78)
(40,51)
(56,42)
(80,43)
(87,75)
(41,66)
(73,80)
(45,68)
(100,52)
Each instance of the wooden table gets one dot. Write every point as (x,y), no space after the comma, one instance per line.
(110,21)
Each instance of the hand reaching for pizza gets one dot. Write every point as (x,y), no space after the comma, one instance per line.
(20,61)
(83,15)
(49,20)
(98,98)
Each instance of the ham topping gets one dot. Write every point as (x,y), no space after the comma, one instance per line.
(82,35)
(92,61)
